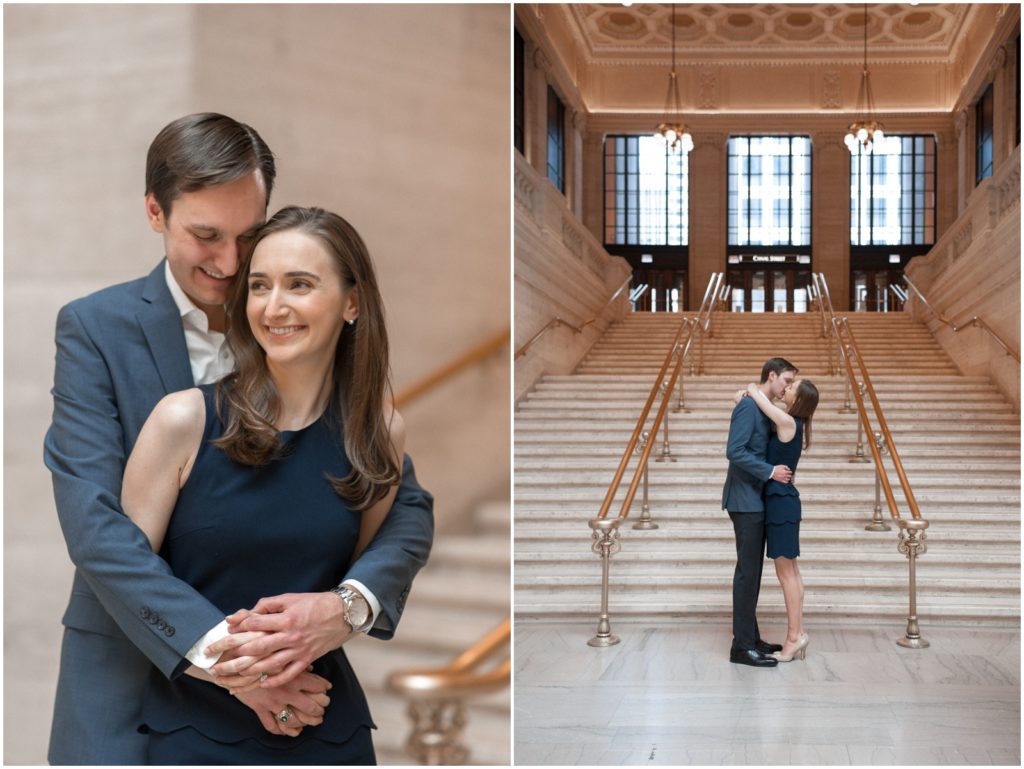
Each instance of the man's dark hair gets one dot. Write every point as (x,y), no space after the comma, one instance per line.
(779,365)
(204,150)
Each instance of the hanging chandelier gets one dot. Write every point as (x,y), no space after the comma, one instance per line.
(672,130)
(867,131)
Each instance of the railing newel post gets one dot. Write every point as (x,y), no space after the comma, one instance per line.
(606,544)
(912,546)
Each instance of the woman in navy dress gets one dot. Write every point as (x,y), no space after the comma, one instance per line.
(791,434)
(273,481)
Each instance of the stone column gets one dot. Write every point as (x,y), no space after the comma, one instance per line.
(830,218)
(592,183)
(708,211)
(946,175)
(1004,88)
(537,117)
(576,130)
(965,157)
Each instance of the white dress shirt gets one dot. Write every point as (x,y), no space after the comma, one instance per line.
(211,358)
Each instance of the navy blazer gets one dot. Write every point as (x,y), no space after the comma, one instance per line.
(748,470)
(119,351)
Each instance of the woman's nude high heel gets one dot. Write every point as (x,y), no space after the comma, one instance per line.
(800,652)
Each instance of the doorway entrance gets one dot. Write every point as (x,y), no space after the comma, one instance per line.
(768,289)
(869,290)
(666,290)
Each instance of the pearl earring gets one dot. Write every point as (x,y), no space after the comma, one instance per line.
(351,321)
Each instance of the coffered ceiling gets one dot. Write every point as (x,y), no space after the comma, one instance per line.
(612,58)
(834,32)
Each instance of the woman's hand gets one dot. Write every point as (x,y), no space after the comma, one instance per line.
(740,395)
(752,389)
(305,696)
(236,678)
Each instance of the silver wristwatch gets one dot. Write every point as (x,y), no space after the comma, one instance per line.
(357,610)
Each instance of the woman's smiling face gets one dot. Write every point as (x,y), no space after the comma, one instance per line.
(297,303)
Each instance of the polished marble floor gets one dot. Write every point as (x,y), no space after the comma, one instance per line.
(668,695)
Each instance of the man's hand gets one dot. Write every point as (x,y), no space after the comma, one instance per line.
(306,695)
(781,473)
(298,628)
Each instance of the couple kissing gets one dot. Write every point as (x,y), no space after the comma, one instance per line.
(765,443)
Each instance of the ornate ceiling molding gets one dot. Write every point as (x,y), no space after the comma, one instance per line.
(765,33)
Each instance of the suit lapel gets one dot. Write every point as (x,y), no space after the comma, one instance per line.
(165,335)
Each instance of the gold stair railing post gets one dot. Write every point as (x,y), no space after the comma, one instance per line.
(680,401)
(877,523)
(912,532)
(437,697)
(858,455)
(645,522)
(666,449)
(436,738)
(606,544)
(911,546)
(604,532)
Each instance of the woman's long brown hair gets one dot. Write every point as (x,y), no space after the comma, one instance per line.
(803,407)
(359,378)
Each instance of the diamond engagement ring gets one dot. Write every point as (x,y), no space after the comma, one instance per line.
(285,715)
(263,677)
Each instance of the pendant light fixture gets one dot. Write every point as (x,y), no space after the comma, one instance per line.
(867,131)
(672,130)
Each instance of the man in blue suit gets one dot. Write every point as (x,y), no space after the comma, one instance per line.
(119,351)
(741,496)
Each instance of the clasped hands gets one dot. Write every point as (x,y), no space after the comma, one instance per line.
(266,658)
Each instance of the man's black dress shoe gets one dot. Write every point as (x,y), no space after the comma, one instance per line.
(752,657)
(766,648)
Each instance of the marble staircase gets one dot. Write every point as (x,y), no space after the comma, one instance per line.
(459,595)
(958,439)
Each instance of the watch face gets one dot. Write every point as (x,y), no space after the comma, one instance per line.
(357,610)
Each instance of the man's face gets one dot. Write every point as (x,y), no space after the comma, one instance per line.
(781,383)
(206,236)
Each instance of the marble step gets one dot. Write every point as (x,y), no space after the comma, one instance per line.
(891,608)
(543,516)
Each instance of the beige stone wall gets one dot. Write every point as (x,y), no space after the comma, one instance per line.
(975,271)
(395,116)
(561,271)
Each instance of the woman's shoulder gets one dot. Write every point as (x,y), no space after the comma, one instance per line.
(181,413)
(395,424)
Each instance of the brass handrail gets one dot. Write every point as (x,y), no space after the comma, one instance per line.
(634,438)
(606,531)
(474,355)
(911,537)
(973,321)
(436,697)
(557,321)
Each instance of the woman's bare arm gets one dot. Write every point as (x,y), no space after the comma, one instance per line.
(785,425)
(161,461)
